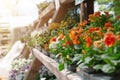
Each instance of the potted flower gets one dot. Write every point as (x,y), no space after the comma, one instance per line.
(101,43)
(93,44)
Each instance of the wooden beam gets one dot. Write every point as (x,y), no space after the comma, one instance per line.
(88,8)
(60,13)
(48,11)
(46,14)
(52,65)
(25,52)
(81,13)
(34,68)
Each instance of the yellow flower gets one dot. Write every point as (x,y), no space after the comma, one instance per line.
(97,44)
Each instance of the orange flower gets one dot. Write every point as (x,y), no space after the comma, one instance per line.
(97,44)
(91,17)
(80,30)
(118,37)
(107,25)
(98,29)
(109,39)
(97,14)
(118,17)
(107,13)
(82,24)
(88,41)
(99,33)
(61,36)
(76,40)
(85,23)
(72,34)
(67,43)
(91,29)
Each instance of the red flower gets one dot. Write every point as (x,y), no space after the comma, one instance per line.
(54,39)
(109,39)
(107,25)
(88,41)
(67,43)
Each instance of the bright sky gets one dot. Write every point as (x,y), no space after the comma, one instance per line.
(18,12)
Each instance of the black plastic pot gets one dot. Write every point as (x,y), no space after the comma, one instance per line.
(90,74)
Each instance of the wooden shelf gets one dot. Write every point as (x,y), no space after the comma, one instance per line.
(52,65)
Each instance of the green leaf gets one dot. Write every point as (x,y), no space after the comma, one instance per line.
(77,57)
(83,66)
(107,68)
(79,61)
(115,62)
(88,60)
(98,67)
(61,66)
(115,50)
(108,61)
(110,50)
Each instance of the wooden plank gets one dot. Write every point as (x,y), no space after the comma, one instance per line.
(46,15)
(48,11)
(88,8)
(52,65)
(34,68)
(25,52)
(60,13)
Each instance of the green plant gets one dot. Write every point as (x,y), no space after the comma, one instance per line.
(94,44)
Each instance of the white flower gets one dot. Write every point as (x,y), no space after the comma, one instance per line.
(43,79)
(53,45)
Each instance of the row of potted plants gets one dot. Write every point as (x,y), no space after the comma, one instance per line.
(93,44)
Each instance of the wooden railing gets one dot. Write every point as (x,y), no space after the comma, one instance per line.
(52,65)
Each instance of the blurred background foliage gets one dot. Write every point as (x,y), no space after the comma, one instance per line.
(110,5)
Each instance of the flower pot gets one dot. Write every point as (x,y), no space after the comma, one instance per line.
(72,67)
(90,74)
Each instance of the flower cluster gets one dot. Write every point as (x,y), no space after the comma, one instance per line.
(45,74)
(92,44)
(19,68)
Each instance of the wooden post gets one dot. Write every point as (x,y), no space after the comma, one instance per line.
(89,8)
(60,13)
(34,68)
(25,52)
(81,13)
